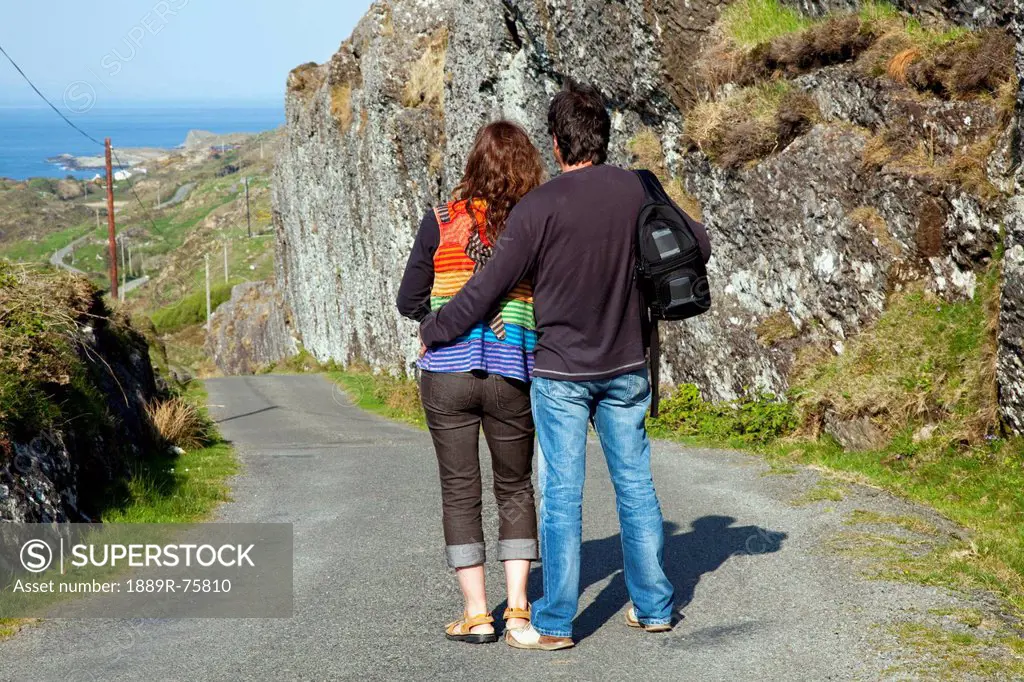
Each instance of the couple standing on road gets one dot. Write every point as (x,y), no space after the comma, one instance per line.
(530,314)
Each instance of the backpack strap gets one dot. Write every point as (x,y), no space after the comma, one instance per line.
(655,369)
(652,186)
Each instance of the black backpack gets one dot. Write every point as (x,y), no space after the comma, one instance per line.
(670,269)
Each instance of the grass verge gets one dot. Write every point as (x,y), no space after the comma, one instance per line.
(924,375)
(391,397)
(185,488)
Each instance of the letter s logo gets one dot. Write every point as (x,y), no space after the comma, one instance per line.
(36,556)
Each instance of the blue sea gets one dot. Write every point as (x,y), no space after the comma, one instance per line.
(31,134)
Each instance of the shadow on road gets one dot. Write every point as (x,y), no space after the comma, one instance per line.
(247,414)
(711,542)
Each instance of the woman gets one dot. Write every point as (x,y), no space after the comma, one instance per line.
(482,378)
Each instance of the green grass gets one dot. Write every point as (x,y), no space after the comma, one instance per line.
(30,251)
(178,489)
(752,22)
(872,11)
(191,310)
(391,397)
(756,418)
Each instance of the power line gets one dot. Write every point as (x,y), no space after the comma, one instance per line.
(82,132)
(41,95)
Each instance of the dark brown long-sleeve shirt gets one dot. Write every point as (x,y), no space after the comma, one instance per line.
(574,238)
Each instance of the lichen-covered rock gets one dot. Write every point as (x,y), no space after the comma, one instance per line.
(251,330)
(1011,326)
(819,233)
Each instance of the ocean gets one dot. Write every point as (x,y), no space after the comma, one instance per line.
(31,134)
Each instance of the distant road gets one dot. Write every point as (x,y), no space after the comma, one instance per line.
(60,255)
(179,196)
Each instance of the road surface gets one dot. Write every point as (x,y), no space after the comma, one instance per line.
(60,256)
(761,596)
(179,196)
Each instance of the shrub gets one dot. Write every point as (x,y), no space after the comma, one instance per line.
(179,422)
(751,124)
(756,418)
(41,185)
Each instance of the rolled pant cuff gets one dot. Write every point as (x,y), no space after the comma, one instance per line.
(464,556)
(552,633)
(518,549)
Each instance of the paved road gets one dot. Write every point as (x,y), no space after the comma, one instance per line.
(60,256)
(179,196)
(761,597)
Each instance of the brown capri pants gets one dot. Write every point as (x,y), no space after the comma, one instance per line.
(457,405)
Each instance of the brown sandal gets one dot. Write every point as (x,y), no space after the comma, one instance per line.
(459,631)
(511,613)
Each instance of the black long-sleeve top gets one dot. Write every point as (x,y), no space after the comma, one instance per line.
(414,292)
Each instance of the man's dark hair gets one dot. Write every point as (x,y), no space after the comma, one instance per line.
(580,122)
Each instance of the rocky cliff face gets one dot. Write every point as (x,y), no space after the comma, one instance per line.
(872,178)
(250,331)
(1011,327)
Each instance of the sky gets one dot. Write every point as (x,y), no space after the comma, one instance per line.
(195,51)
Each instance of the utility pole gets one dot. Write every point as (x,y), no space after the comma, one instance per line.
(208,311)
(248,219)
(97,218)
(111,229)
(130,268)
(225,261)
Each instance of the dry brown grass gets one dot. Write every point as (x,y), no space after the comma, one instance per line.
(775,328)
(750,124)
(425,83)
(341,106)
(871,220)
(898,65)
(306,79)
(179,423)
(973,64)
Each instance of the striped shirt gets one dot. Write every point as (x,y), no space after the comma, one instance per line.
(440,267)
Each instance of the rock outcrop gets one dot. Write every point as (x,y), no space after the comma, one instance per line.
(815,236)
(251,330)
(73,419)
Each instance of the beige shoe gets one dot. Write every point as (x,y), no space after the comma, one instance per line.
(528,638)
(633,622)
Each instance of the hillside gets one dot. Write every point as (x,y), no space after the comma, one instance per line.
(189,205)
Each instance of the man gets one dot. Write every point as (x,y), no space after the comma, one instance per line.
(574,237)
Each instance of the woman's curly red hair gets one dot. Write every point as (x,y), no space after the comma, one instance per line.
(503,167)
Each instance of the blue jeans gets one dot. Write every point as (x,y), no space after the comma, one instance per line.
(562,411)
